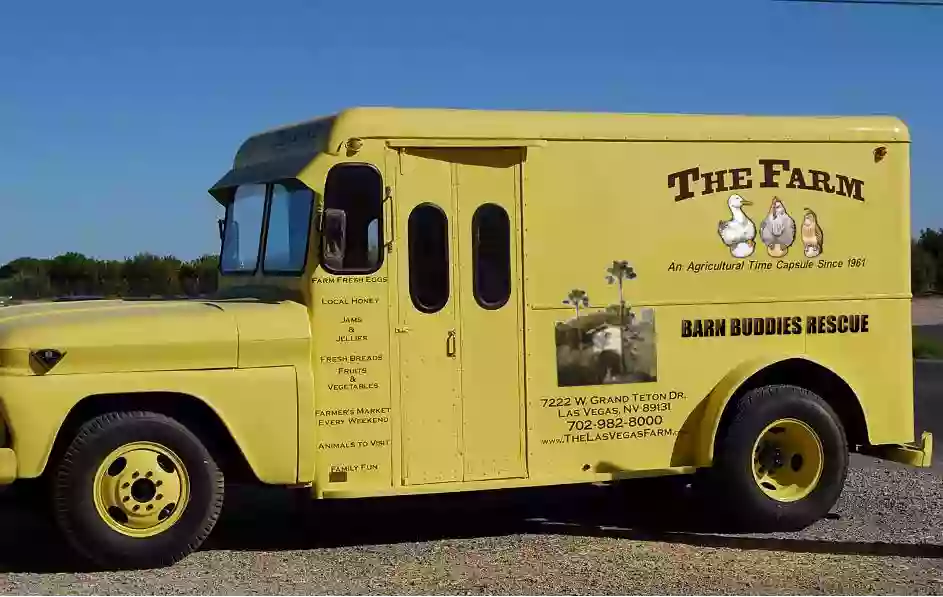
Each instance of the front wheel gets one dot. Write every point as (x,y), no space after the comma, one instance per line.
(781,462)
(137,490)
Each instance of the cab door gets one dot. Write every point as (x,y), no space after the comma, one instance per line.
(460,315)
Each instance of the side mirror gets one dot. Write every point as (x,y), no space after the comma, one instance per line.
(334,237)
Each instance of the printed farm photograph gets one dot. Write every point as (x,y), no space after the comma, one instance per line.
(614,345)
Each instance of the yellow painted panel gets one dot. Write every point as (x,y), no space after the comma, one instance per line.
(258,406)
(271,333)
(351,354)
(112,335)
(489,338)
(642,203)
(497,125)
(584,419)
(429,375)
(876,360)
(350,318)
(615,201)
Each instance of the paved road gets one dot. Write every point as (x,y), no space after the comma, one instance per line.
(884,536)
(928,403)
(928,393)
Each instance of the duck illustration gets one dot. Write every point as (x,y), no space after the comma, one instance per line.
(739,231)
(812,237)
(778,229)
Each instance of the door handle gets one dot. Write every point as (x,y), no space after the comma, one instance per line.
(450,344)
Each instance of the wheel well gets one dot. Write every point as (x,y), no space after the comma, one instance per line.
(191,412)
(815,378)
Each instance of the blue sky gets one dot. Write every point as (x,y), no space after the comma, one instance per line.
(115,117)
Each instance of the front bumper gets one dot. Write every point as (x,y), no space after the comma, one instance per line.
(911,455)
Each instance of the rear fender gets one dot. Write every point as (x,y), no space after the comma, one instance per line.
(719,397)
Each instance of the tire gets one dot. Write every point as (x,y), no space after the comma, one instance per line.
(803,417)
(92,492)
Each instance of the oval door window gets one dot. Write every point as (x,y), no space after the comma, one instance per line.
(491,256)
(428,241)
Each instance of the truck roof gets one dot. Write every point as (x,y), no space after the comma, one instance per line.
(286,150)
(439,123)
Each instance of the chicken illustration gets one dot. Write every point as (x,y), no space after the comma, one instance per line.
(811,234)
(739,231)
(778,230)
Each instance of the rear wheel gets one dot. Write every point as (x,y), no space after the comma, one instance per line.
(137,490)
(781,462)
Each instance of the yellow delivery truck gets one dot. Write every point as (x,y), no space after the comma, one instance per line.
(431,300)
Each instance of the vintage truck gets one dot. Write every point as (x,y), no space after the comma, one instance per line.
(434,300)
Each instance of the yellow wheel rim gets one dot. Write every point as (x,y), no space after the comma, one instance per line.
(787,460)
(141,489)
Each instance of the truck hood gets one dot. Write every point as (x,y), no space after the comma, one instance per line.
(151,335)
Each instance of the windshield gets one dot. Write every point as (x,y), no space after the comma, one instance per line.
(243,230)
(286,244)
(286,240)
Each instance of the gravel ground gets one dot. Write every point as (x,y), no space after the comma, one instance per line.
(882,537)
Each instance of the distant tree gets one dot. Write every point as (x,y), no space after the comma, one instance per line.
(74,274)
(930,259)
(148,275)
(29,266)
(923,269)
(110,278)
(207,273)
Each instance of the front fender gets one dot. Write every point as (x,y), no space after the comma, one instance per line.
(258,407)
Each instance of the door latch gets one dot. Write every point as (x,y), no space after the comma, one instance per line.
(450,344)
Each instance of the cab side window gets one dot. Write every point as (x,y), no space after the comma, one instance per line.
(352,232)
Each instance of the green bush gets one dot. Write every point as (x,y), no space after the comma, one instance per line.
(927,348)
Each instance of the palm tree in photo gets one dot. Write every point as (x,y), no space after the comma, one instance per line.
(620,271)
(577,298)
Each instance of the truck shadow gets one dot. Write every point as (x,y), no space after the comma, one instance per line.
(655,510)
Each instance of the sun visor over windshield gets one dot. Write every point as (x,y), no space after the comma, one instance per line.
(288,166)
(274,155)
